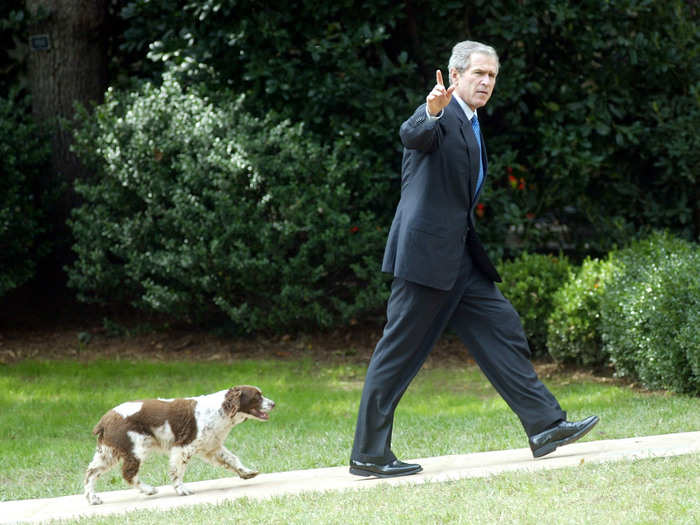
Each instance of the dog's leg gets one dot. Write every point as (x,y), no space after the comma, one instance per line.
(130,470)
(103,460)
(132,462)
(179,457)
(225,458)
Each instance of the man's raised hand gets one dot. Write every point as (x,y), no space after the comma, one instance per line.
(440,96)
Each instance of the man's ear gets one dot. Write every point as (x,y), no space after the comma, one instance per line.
(454,77)
(232,401)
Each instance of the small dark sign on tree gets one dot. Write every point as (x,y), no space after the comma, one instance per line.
(39,42)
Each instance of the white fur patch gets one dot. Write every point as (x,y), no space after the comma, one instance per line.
(128,409)
(142,444)
(212,425)
(164,434)
(208,406)
(267,404)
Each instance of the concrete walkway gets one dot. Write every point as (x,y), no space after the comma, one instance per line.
(444,468)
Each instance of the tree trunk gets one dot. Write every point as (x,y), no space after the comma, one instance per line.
(67,64)
(72,69)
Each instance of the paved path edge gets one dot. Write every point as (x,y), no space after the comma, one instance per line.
(435,469)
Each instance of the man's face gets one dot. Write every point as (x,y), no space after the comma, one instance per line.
(475,84)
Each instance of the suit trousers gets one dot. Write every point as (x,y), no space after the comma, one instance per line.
(489,327)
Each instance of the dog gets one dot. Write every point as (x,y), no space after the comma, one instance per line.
(184,427)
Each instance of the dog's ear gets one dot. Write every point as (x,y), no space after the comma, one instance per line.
(232,401)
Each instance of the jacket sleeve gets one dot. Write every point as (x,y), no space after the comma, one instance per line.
(420,133)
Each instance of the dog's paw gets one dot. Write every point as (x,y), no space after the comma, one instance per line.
(181,490)
(147,489)
(248,474)
(93,499)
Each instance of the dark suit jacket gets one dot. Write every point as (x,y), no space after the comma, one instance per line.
(435,215)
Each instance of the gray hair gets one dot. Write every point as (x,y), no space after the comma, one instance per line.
(462,54)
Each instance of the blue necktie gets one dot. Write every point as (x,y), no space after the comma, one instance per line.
(477,132)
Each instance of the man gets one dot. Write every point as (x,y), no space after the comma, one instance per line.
(443,277)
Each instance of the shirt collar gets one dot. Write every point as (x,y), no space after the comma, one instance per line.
(465,107)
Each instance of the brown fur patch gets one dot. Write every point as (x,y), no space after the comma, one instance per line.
(232,401)
(251,398)
(179,414)
(130,468)
(112,429)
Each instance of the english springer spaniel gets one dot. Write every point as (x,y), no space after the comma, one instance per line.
(183,427)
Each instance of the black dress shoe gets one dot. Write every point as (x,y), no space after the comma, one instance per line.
(561,434)
(390,470)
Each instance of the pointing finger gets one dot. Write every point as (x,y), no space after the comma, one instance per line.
(438,76)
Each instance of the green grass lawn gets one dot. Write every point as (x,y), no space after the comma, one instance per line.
(660,491)
(48,409)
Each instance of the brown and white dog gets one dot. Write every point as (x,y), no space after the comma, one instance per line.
(183,427)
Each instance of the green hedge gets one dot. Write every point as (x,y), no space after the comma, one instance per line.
(583,154)
(529,282)
(574,327)
(24,154)
(649,313)
(638,310)
(203,212)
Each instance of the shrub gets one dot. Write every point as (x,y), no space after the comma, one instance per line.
(649,324)
(200,210)
(529,282)
(600,153)
(23,156)
(573,331)
(689,338)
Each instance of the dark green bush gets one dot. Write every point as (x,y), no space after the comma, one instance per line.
(13,47)
(529,283)
(689,338)
(314,61)
(573,332)
(601,154)
(23,156)
(649,313)
(202,211)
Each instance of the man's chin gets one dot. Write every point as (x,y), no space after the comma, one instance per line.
(481,102)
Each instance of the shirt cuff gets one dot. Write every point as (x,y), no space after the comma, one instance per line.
(430,117)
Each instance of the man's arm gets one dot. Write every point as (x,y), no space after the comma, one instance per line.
(421,131)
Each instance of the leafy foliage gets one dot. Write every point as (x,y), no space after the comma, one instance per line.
(199,209)
(23,156)
(583,155)
(318,63)
(649,321)
(13,48)
(599,154)
(574,327)
(529,282)
(593,143)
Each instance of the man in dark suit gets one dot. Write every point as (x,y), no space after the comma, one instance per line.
(443,277)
